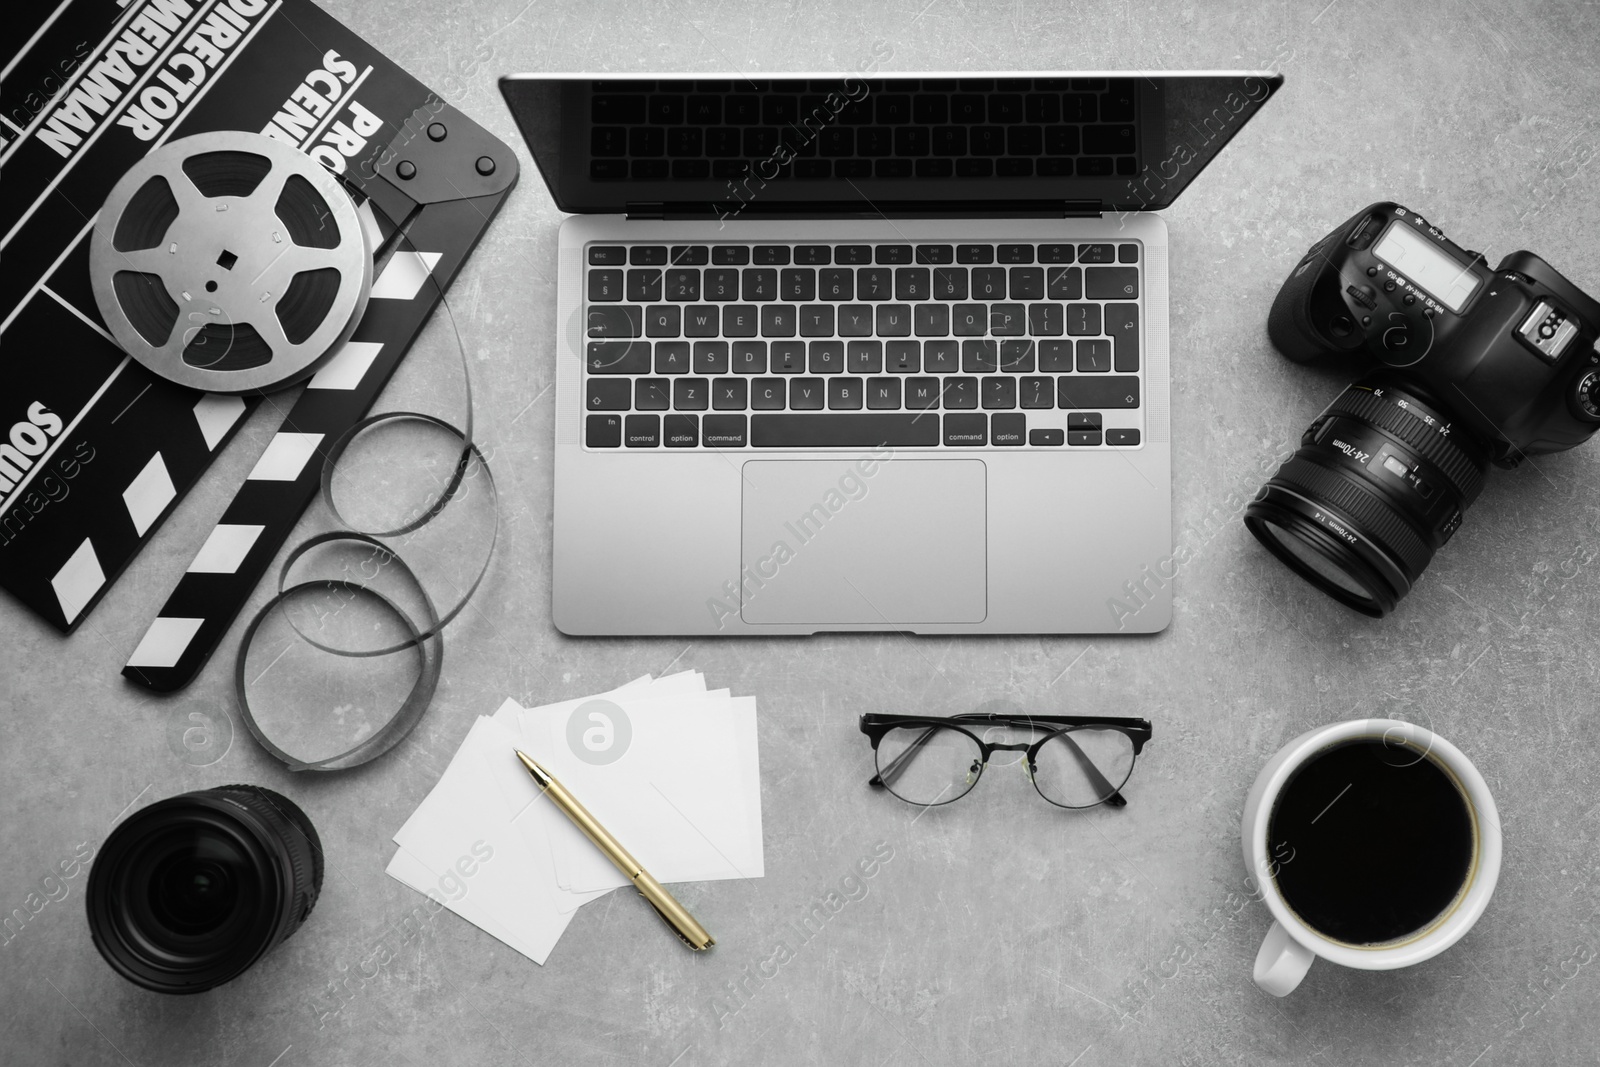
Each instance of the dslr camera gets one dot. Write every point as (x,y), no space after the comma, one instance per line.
(1464,366)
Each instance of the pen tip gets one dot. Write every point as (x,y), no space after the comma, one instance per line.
(533,768)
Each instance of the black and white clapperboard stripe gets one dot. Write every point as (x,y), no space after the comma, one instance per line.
(287,477)
(100,450)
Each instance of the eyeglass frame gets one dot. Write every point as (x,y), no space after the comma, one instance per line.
(877,724)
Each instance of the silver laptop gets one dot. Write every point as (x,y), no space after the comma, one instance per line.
(838,353)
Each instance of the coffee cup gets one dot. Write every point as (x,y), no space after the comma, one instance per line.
(1375,844)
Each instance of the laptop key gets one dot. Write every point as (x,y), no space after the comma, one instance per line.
(1038,392)
(607,256)
(1046,320)
(1122,437)
(903,357)
(864,357)
(1026,283)
(1097,392)
(605,285)
(682,285)
(988,283)
(603,431)
(1111,283)
(816,320)
(623,320)
(844,394)
(1056,253)
(1008,320)
(775,255)
(1094,356)
(680,431)
(1083,437)
(768,394)
(855,320)
(618,357)
(607,394)
(1055,357)
(730,255)
(950,283)
(911,283)
(883,394)
(778,320)
(859,430)
(815,255)
(827,357)
(652,394)
(644,285)
(690,255)
(1064,283)
(935,254)
(1008,429)
(1046,437)
(648,255)
(748,357)
(941,357)
(663,320)
(1016,254)
(739,320)
(788,357)
(894,320)
(837,284)
(1016,357)
(1122,323)
(999,392)
(974,254)
(730,394)
(1097,254)
(969,320)
(701,320)
(922,394)
(931,320)
(979,357)
(722,285)
(966,430)
(642,431)
(960,393)
(806,394)
(1085,420)
(672,357)
(760,283)
(711,357)
(1083,320)
(875,283)
(724,431)
(797,284)
(691,394)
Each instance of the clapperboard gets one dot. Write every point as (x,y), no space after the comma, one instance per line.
(94,450)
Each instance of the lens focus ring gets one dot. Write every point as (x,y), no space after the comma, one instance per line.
(1360,505)
(1451,460)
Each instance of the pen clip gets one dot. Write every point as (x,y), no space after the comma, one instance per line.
(672,925)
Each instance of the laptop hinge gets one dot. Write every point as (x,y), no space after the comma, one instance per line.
(901,209)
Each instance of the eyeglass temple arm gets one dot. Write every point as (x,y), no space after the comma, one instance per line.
(901,762)
(1096,779)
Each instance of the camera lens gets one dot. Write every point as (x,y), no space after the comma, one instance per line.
(1380,482)
(190,892)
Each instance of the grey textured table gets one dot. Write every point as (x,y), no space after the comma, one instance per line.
(1001,931)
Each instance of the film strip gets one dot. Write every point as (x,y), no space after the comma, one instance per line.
(285,479)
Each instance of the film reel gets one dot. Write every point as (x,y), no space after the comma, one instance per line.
(230,263)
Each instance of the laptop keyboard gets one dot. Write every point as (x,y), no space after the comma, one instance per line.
(814,346)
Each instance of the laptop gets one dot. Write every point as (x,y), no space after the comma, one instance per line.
(838,353)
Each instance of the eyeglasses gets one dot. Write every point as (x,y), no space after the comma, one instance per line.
(1078,763)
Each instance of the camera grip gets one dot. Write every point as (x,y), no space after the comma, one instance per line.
(1290,324)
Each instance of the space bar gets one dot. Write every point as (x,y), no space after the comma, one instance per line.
(844,431)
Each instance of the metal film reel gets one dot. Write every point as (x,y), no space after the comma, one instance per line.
(230,262)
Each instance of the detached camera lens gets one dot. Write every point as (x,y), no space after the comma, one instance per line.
(190,892)
(1380,482)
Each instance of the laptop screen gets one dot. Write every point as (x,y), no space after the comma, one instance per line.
(738,146)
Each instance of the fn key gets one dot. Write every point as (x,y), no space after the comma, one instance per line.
(603,431)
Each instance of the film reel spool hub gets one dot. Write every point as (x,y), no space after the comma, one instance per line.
(229,262)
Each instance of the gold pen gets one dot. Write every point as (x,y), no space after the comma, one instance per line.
(675,915)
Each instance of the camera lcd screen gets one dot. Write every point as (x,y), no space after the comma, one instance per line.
(1419,259)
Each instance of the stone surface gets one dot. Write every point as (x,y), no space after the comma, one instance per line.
(1002,931)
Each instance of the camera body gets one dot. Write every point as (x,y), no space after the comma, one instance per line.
(1507,353)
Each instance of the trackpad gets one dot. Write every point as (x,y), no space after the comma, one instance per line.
(882,542)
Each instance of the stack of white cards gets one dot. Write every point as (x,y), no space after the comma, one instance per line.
(670,769)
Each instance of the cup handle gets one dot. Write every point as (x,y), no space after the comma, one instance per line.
(1282,962)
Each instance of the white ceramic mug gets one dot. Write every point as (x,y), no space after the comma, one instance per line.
(1291,946)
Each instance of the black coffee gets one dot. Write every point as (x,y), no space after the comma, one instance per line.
(1373,841)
